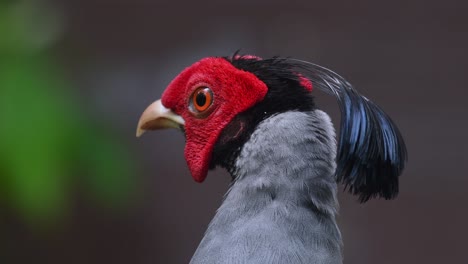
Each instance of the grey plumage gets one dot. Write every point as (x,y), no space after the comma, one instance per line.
(259,121)
(282,204)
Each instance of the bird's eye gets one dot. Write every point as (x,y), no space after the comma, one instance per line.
(201,99)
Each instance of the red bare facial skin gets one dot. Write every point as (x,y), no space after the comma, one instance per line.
(234,91)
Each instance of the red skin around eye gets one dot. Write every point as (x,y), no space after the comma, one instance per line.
(234,91)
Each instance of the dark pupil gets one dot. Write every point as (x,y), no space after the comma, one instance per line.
(200,99)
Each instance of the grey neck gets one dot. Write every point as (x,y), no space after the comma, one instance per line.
(281,207)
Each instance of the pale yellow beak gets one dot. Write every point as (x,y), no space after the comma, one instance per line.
(156,116)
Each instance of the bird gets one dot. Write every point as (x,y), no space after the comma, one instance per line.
(257,118)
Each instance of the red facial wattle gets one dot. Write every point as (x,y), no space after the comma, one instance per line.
(233,91)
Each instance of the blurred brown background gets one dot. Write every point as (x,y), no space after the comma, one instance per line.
(117,57)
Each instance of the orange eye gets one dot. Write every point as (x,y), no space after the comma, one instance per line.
(202,99)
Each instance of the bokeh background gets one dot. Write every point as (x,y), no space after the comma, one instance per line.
(76,186)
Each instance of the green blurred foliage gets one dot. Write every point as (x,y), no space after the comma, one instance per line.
(47,145)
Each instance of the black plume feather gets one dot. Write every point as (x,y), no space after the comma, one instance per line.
(371,152)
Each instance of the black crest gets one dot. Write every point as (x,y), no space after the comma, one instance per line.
(371,152)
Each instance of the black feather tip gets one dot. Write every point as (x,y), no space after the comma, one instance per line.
(371,151)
